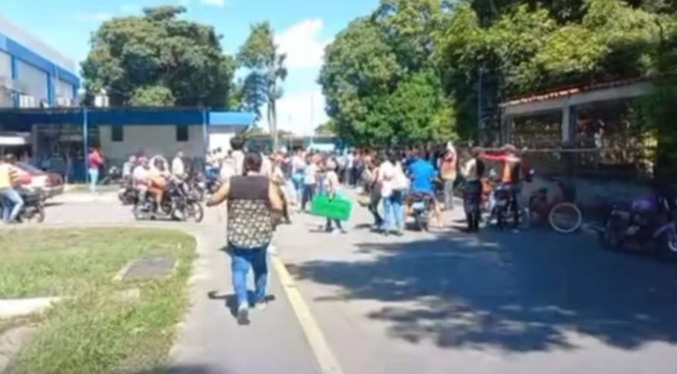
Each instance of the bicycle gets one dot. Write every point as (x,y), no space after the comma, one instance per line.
(562,213)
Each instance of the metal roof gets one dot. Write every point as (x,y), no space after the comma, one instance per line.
(231,118)
(564,92)
(23,119)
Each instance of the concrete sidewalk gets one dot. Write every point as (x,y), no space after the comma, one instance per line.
(211,341)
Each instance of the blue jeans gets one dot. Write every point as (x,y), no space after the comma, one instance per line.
(393,209)
(11,203)
(297,180)
(93,178)
(242,259)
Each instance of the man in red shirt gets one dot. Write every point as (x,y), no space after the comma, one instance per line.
(95,162)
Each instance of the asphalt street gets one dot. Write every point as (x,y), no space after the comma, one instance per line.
(441,302)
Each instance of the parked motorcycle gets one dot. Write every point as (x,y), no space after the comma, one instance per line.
(647,224)
(421,208)
(503,205)
(178,202)
(33,210)
(197,183)
(128,194)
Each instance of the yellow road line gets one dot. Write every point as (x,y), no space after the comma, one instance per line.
(323,355)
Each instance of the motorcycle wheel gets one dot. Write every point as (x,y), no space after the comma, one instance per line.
(667,245)
(36,217)
(193,212)
(565,218)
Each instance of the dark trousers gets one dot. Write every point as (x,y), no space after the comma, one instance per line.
(375,199)
(471,204)
(308,193)
(354,175)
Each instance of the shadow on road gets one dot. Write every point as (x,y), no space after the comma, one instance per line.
(518,292)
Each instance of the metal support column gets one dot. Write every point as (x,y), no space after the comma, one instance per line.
(205,132)
(85,139)
(15,76)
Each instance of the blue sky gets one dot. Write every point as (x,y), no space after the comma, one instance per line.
(303,28)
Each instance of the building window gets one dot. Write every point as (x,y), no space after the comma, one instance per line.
(182,133)
(117,133)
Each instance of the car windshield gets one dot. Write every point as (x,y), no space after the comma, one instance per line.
(29,168)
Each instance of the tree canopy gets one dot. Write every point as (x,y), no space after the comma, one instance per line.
(413,69)
(158,59)
(266,70)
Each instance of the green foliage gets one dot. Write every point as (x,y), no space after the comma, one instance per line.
(152,95)
(267,70)
(158,59)
(379,80)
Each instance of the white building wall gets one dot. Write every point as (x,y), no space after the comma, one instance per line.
(64,89)
(5,65)
(219,137)
(5,72)
(35,81)
(151,140)
(33,43)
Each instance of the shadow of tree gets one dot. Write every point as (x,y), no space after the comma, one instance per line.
(531,291)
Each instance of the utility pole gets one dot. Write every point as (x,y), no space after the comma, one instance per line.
(480,119)
(312,113)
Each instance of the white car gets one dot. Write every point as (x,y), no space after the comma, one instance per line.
(48,184)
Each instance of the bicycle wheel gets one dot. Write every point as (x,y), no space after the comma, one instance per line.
(565,218)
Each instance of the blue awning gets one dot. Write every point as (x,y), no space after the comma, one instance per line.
(23,119)
(231,118)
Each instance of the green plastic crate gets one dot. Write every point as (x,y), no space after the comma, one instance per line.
(338,208)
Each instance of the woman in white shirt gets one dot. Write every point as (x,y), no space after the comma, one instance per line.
(473,171)
(333,188)
(310,180)
(390,175)
(298,170)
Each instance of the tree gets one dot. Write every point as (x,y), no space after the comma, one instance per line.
(158,59)
(260,56)
(325,129)
(379,82)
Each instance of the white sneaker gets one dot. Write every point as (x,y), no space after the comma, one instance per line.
(243,314)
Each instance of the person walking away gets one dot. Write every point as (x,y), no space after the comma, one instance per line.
(350,168)
(333,190)
(422,174)
(253,201)
(227,167)
(95,164)
(373,188)
(448,176)
(310,181)
(473,171)
(278,179)
(9,196)
(512,173)
(237,146)
(298,170)
(178,167)
(393,195)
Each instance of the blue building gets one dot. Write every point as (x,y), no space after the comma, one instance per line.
(33,74)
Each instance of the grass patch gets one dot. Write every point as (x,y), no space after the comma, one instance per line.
(93,331)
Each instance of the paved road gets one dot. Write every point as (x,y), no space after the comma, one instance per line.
(447,302)
(500,302)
